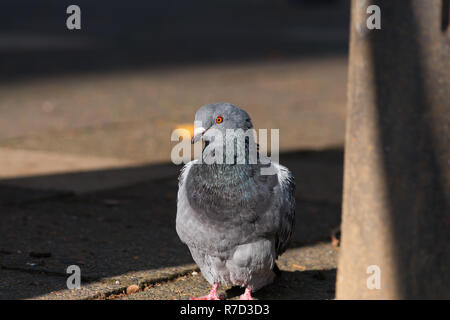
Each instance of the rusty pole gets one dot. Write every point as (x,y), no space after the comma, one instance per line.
(396,218)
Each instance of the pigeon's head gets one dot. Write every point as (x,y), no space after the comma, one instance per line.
(220,116)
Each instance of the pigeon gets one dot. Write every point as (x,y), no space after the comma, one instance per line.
(234,218)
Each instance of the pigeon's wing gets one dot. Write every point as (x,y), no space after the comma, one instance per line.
(287,208)
(184,172)
(183,206)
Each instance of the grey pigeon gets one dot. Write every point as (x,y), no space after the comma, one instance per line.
(235,220)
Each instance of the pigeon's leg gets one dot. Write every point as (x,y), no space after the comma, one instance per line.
(247,294)
(212,295)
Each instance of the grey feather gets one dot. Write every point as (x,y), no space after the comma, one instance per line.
(234,220)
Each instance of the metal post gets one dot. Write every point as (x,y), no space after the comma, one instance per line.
(396,183)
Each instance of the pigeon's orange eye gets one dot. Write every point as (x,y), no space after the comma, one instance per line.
(219,119)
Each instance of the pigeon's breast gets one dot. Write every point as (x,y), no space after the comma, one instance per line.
(226,194)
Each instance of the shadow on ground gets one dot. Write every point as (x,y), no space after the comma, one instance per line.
(296,285)
(118,232)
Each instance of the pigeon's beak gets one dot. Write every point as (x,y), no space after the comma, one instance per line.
(198,133)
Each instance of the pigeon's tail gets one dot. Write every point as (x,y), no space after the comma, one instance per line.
(276,270)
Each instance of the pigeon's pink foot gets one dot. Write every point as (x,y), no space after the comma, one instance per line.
(247,294)
(212,295)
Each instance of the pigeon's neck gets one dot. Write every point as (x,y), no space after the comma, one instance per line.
(217,178)
(229,160)
(241,150)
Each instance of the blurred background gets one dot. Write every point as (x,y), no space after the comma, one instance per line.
(117,87)
(84,113)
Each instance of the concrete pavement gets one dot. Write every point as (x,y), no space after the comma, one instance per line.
(127,236)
